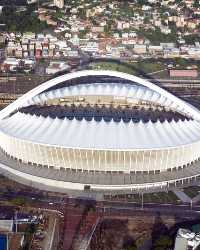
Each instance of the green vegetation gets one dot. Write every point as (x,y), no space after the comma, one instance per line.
(129,244)
(164,242)
(192,191)
(191,39)
(149,67)
(158,197)
(30,230)
(21,21)
(135,68)
(133,247)
(157,37)
(112,66)
(196,4)
(18,201)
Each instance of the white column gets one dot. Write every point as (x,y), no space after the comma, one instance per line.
(40,160)
(80,158)
(35,153)
(63,158)
(74,156)
(161,160)
(124,167)
(87,163)
(93,160)
(105,160)
(166,163)
(136,160)
(130,161)
(118,159)
(143,161)
(174,157)
(99,156)
(46,150)
(32,155)
(52,158)
(155,168)
(58,160)
(149,162)
(111,166)
(69,158)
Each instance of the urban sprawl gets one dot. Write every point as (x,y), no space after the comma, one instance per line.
(128,31)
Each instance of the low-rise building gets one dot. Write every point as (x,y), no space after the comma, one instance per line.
(140,49)
(57,66)
(153,49)
(183,73)
(2,54)
(186,239)
(59,3)
(90,47)
(97,29)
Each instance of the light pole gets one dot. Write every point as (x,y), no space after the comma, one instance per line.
(142,201)
(7,242)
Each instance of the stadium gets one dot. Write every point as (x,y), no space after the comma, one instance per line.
(100,131)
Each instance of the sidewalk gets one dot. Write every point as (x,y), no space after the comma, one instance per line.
(182,196)
(196,199)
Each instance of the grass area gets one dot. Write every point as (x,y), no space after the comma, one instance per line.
(134,68)
(158,197)
(112,66)
(192,191)
(161,197)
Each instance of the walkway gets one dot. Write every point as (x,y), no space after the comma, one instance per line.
(182,196)
(132,180)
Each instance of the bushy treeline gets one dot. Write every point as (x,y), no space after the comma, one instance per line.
(22,21)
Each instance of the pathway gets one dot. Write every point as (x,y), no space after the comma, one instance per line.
(182,196)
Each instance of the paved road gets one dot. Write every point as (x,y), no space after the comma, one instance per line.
(56,202)
(152,209)
(168,80)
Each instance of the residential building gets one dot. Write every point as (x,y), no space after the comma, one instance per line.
(59,3)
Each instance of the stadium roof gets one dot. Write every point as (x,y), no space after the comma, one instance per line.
(102,135)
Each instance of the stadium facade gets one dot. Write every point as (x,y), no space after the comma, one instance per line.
(100,130)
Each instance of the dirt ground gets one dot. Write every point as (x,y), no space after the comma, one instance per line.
(15,241)
(116,232)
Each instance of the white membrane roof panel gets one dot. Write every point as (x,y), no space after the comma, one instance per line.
(101,135)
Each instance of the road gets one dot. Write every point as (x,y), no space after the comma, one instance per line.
(168,80)
(108,207)
(152,209)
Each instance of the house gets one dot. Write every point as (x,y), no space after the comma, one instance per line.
(140,49)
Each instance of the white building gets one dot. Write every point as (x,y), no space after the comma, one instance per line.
(185,239)
(59,3)
(57,66)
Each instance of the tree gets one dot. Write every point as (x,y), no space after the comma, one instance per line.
(21,21)
(196,4)
(163,242)
(134,247)
(18,201)
(129,243)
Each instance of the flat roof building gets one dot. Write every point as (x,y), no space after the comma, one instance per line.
(183,73)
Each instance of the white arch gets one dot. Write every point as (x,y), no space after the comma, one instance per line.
(188,109)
